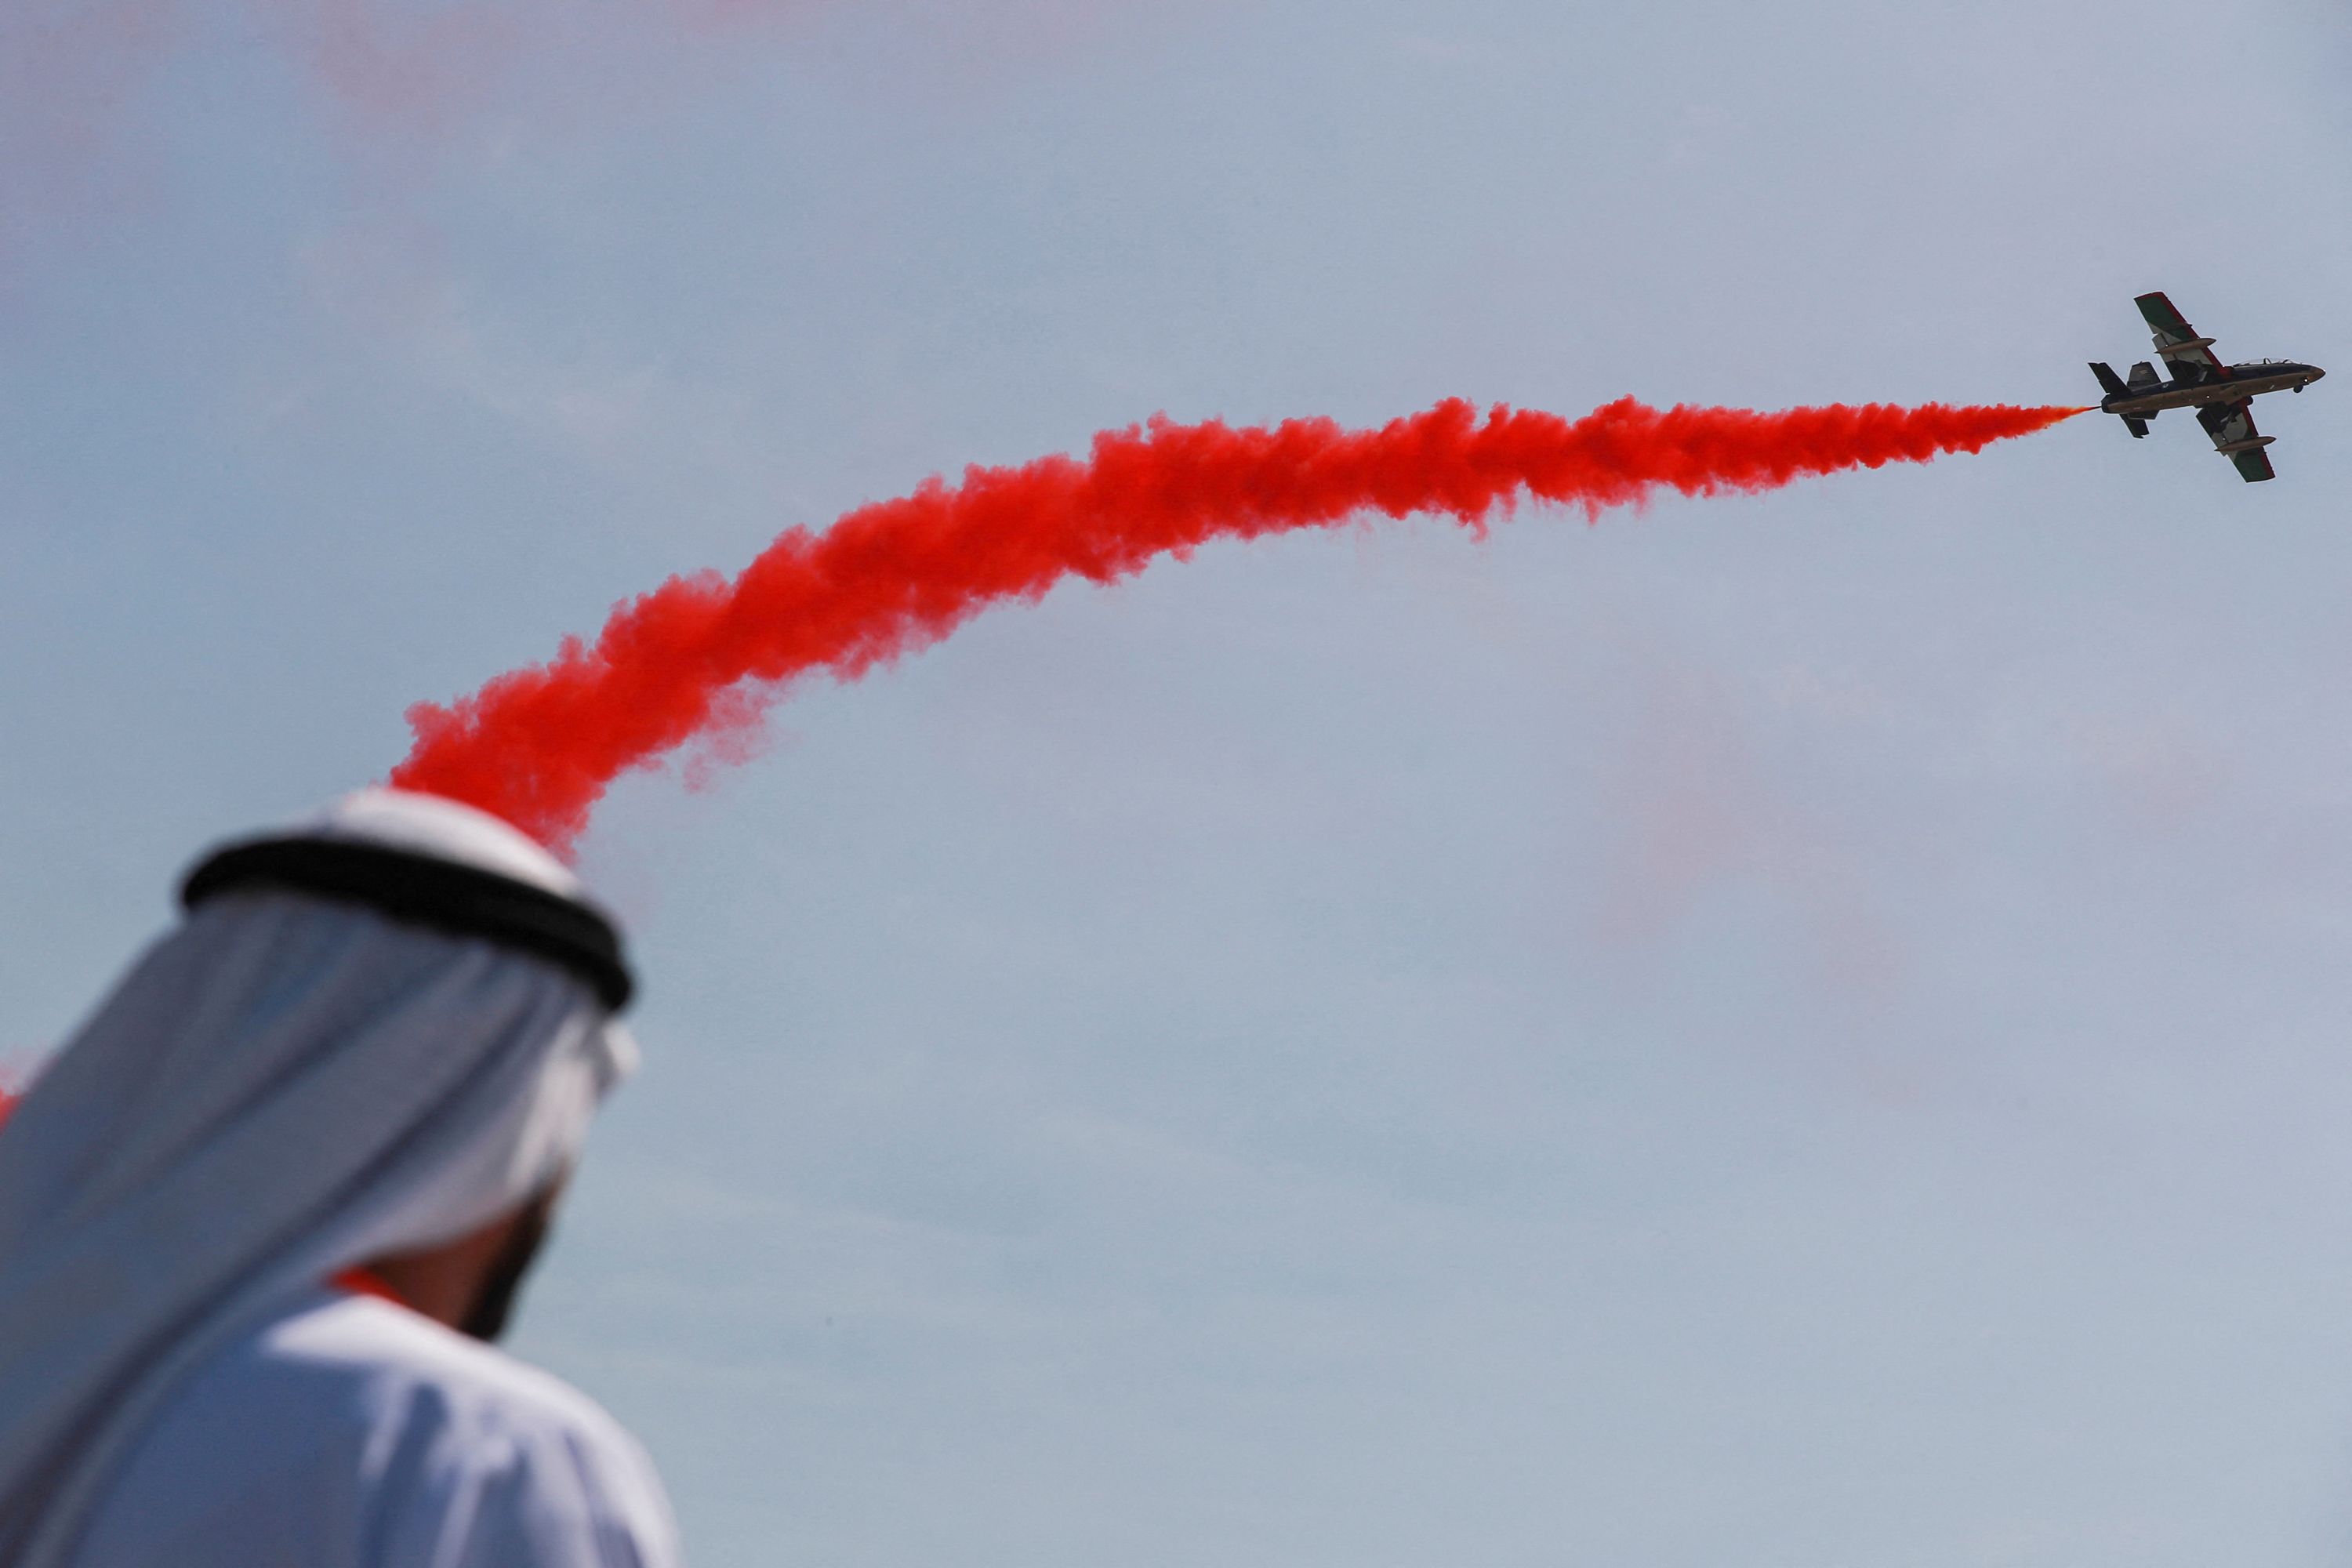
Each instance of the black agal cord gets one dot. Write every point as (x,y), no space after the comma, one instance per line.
(423,890)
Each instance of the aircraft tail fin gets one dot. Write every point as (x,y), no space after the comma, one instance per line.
(2115,386)
(2144,378)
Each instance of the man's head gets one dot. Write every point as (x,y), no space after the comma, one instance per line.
(378,1038)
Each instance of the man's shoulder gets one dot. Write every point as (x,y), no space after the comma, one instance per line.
(436,1410)
(386,1361)
(388,1427)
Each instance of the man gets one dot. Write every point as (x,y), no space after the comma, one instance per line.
(260,1218)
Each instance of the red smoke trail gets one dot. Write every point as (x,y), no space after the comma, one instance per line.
(699,657)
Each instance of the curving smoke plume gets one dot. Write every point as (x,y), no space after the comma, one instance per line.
(700,656)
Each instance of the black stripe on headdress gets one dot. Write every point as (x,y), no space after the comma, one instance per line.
(426,891)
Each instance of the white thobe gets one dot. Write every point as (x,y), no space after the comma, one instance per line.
(352,1433)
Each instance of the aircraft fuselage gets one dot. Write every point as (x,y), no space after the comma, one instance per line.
(2244,381)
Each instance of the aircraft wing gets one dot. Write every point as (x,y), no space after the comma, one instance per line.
(2176,342)
(2232,426)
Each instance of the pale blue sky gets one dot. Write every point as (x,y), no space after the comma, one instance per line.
(1798,1031)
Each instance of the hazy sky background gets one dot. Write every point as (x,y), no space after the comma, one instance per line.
(1809,1031)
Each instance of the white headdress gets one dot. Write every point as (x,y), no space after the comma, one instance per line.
(377,1033)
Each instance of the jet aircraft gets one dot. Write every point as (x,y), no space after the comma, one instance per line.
(2222,395)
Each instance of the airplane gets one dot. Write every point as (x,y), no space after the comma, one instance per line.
(2222,395)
